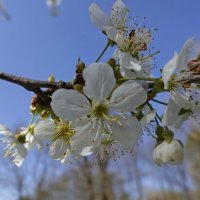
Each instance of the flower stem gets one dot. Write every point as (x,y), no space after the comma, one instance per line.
(151,55)
(102,53)
(160,102)
(30,123)
(158,117)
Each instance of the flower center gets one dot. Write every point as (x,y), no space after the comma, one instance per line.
(21,138)
(100,110)
(64,131)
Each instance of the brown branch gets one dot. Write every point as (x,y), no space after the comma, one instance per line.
(35,85)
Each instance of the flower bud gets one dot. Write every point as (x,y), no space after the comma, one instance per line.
(80,67)
(168,153)
(51,79)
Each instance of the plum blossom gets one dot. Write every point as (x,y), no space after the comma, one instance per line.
(102,110)
(131,42)
(109,24)
(179,77)
(168,153)
(59,134)
(15,145)
(131,67)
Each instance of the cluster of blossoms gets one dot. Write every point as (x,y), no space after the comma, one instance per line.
(108,108)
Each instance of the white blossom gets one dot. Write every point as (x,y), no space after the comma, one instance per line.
(178,77)
(105,113)
(59,134)
(131,41)
(14,145)
(176,74)
(109,24)
(131,67)
(168,153)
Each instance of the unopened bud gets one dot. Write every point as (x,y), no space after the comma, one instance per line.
(80,67)
(51,79)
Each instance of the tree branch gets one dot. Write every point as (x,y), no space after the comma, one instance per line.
(35,85)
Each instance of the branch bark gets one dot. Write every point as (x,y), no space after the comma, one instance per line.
(35,85)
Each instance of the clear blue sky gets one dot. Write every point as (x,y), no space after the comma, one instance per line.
(34,44)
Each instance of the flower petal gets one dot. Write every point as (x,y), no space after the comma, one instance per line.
(98,17)
(147,118)
(184,101)
(168,153)
(18,160)
(126,131)
(69,104)
(44,129)
(21,150)
(128,96)
(112,33)
(58,149)
(118,13)
(127,61)
(185,53)
(32,141)
(87,138)
(168,70)
(99,81)
(4,130)
(67,157)
(171,117)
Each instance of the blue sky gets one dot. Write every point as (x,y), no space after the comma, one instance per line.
(34,44)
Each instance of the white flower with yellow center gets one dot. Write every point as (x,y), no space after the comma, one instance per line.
(59,134)
(15,145)
(109,24)
(179,77)
(131,41)
(100,110)
(168,153)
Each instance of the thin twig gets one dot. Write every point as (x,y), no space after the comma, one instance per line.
(160,102)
